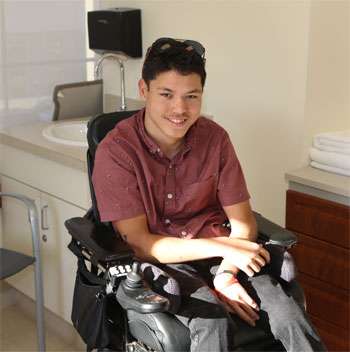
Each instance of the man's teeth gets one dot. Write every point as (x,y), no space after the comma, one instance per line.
(177,120)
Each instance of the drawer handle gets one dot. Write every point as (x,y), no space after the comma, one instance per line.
(44,225)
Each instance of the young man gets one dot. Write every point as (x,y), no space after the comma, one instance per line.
(170,182)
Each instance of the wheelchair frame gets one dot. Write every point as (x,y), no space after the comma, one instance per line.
(111,258)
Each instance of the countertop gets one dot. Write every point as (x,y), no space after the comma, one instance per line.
(320,183)
(29,138)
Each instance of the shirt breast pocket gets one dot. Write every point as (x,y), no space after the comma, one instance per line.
(199,195)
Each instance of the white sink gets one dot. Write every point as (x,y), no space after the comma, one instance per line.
(68,133)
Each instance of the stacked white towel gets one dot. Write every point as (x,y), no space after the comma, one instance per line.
(331,152)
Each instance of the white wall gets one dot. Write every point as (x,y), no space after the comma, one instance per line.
(273,67)
(328,76)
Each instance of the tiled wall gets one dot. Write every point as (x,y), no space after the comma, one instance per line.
(42,43)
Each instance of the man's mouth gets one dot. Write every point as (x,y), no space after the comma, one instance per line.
(177,121)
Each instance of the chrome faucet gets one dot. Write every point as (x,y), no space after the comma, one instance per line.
(120,58)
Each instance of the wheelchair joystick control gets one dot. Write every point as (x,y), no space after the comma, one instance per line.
(134,278)
(133,293)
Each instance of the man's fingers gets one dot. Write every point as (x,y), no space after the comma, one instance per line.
(256,264)
(255,267)
(249,271)
(240,303)
(248,300)
(265,254)
(243,314)
(226,302)
(260,260)
(250,311)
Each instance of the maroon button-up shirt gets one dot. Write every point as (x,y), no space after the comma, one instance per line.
(181,197)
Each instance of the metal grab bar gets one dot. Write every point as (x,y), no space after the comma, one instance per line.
(34,223)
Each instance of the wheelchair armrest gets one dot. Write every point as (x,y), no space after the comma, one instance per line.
(101,241)
(271,233)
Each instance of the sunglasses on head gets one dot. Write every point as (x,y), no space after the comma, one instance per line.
(163,44)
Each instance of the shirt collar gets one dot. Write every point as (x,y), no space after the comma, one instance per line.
(152,146)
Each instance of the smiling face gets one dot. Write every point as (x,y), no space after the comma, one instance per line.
(173,104)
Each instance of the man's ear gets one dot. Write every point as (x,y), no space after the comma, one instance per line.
(143,89)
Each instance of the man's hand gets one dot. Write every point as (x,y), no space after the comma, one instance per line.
(236,298)
(248,256)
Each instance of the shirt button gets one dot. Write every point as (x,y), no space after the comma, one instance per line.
(170,196)
(158,150)
(183,233)
(167,221)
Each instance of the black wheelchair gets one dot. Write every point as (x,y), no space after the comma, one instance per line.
(114,309)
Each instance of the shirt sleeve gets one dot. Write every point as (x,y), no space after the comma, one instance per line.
(115,183)
(232,187)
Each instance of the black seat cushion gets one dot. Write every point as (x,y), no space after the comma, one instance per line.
(12,262)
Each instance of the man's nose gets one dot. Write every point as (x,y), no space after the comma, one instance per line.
(179,105)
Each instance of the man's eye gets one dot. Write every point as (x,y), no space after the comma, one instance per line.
(192,96)
(165,95)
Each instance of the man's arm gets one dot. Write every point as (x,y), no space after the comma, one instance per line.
(243,226)
(242,221)
(159,248)
(165,249)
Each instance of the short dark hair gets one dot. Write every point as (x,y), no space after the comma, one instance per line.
(175,57)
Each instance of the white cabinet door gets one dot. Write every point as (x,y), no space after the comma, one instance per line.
(16,231)
(59,263)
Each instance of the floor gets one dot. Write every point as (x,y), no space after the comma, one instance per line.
(18,330)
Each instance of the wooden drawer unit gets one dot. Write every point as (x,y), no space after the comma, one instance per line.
(322,257)
(319,218)
(326,302)
(332,335)
(323,261)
